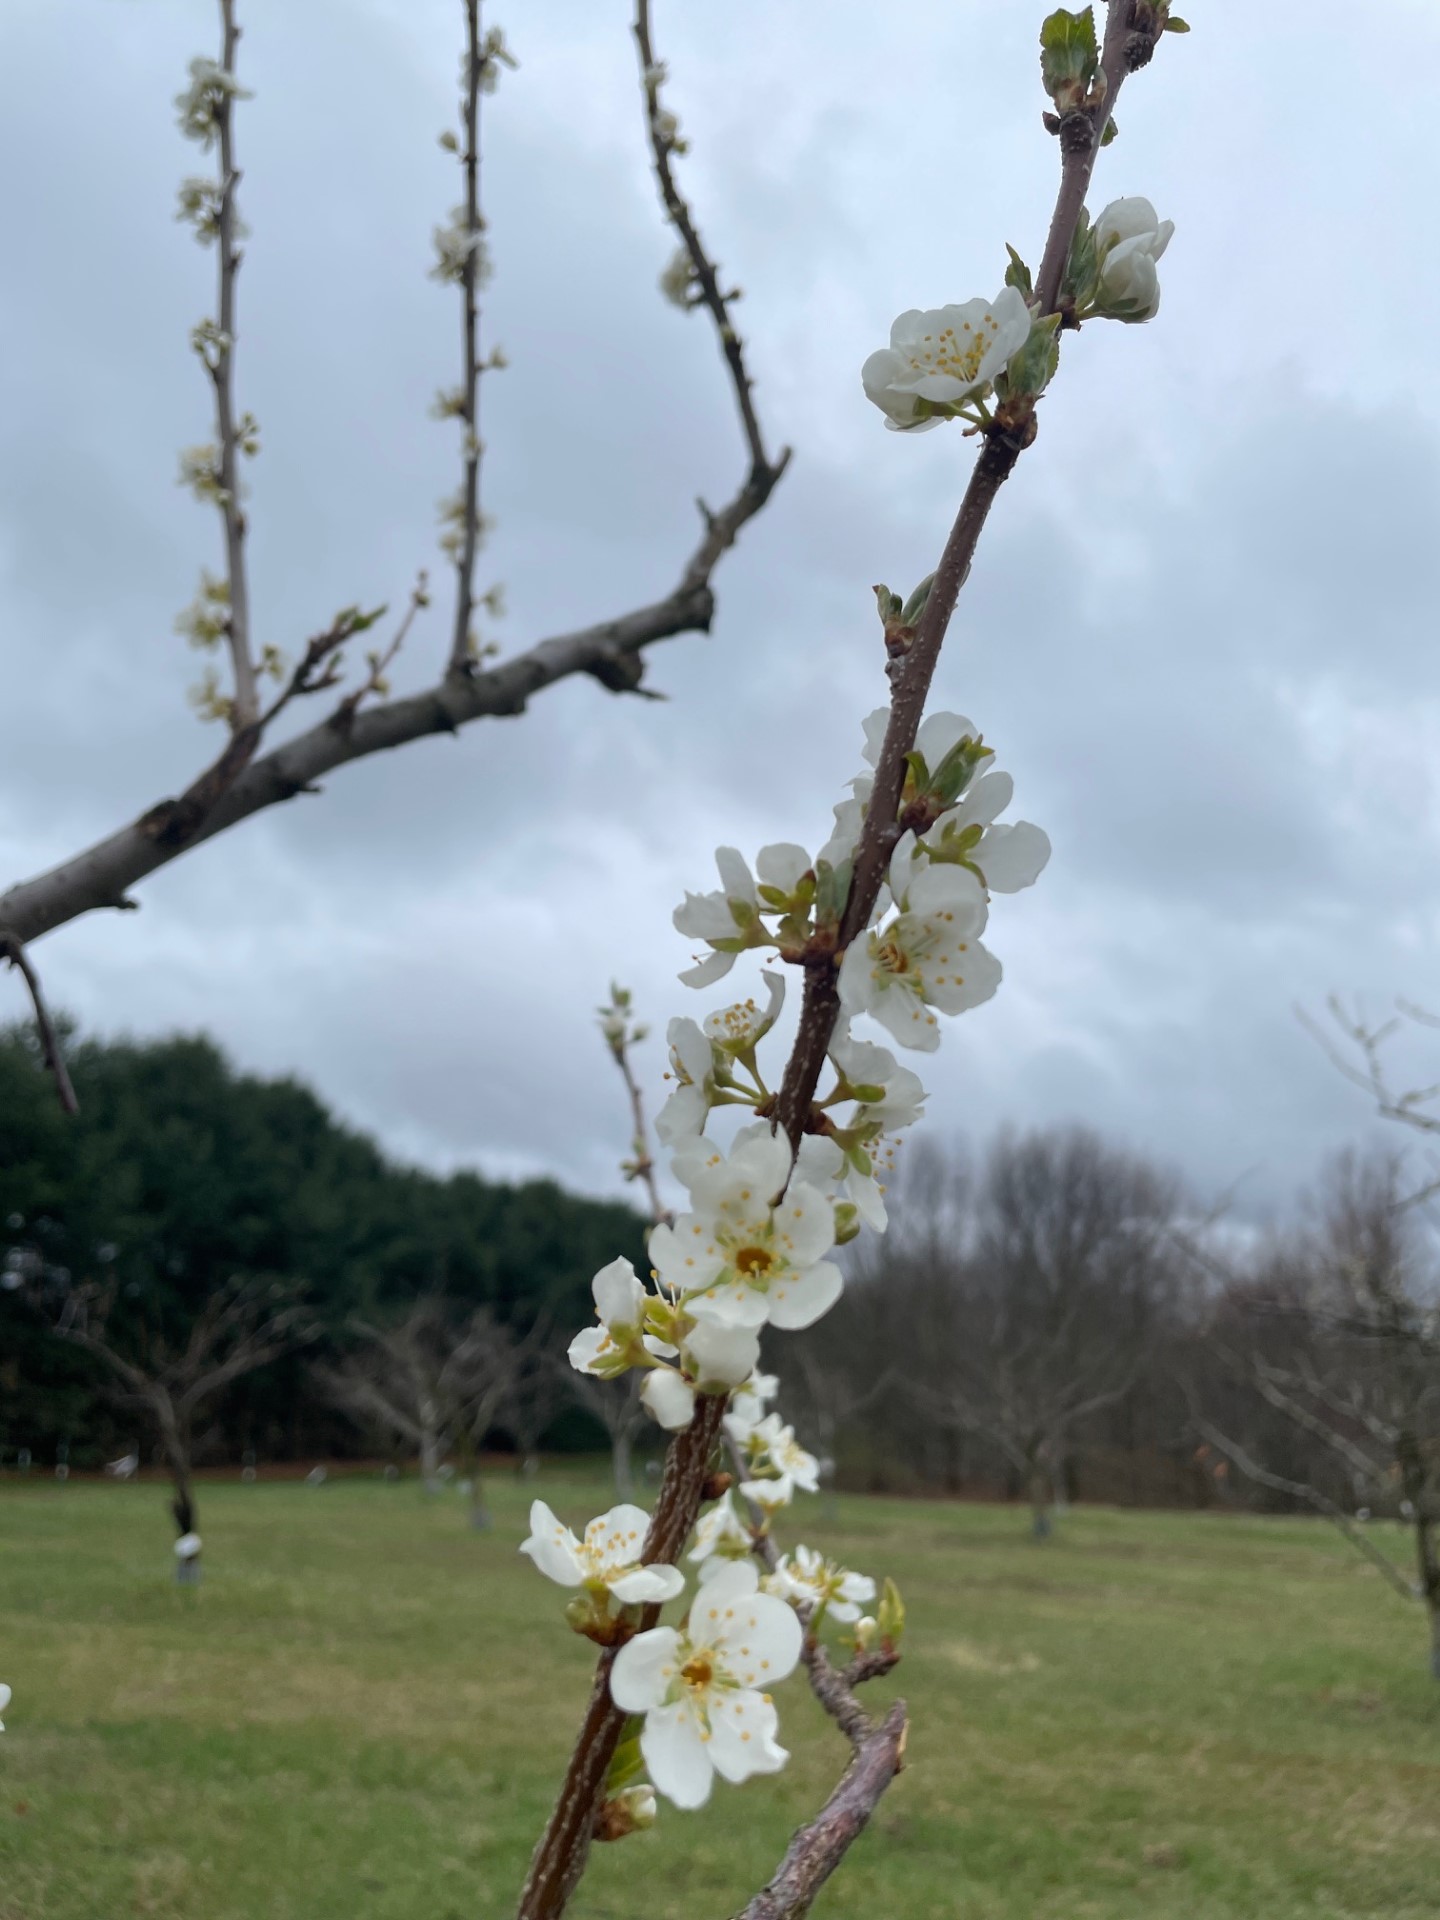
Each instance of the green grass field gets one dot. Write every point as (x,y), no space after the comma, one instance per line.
(363,1712)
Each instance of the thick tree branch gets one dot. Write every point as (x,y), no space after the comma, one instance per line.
(242,782)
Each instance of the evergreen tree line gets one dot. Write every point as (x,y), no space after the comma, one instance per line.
(1054,1318)
(182,1178)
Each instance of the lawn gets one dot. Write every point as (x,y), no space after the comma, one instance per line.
(363,1712)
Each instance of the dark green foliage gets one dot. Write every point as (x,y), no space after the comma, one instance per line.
(181,1174)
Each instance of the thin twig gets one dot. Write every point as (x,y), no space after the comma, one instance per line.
(1312,1496)
(13,950)
(706,275)
(461,659)
(245,708)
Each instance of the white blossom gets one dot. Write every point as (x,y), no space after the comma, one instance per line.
(737,1030)
(620,1303)
(748,1404)
(720,1535)
(199,105)
(728,921)
(739,1259)
(455,244)
(776,1454)
(668,1398)
(607,1560)
(944,359)
(677,282)
(714,1358)
(876,1070)
(187,1547)
(807,1578)
(1007,857)
(823,1164)
(1131,237)
(702,1688)
(692,1061)
(928,955)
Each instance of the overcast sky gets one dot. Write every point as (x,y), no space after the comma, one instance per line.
(1201,631)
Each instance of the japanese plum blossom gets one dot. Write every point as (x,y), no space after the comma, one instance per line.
(928,956)
(738,1030)
(728,921)
(692,1061)
(620,1302)
(187,1547)
(777,1454)
(808,1579)
(870,1069)
(715,1357)
(701,1687)
(738,1259)
(1131,237)
(943,360)
(1007,857)
(720,1535)
(748,1404)
(5,1697)
(823,1164)
(606,1560)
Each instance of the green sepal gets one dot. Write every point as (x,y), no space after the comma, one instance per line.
(1082,266)
(847,1224)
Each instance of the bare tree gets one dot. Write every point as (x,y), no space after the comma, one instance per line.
(241,1326)
(1340,1336)
(1037,1312)
(438,1378)
(617,1406)
(256,768)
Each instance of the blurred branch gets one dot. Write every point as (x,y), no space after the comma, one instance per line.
(13,950)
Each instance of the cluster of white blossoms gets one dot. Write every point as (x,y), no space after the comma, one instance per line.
(754,1245)
(949,363)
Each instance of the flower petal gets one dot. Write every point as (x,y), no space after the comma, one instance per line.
(742,1735)
(676,1758)
(638,1680)
(801,1302)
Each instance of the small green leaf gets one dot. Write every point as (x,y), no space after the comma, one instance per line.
(890,1614)
(888,604)
(1176,25)
(1109,134)
(628,1763)
(915,605)
(1069,56)
(1017,274)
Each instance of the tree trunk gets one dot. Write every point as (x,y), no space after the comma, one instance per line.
(620,1462)
(1040,1491)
